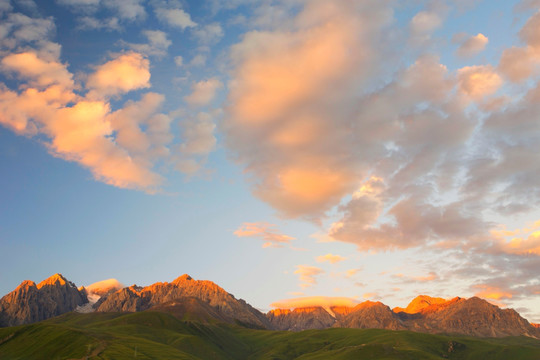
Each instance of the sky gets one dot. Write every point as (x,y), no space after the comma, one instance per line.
(292,151)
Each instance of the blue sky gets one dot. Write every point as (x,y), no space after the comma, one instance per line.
(282,149)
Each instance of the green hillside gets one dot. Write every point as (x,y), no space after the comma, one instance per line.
(154,335)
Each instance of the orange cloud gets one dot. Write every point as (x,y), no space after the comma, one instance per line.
(39,72)
(479,81)
(80,129)
(370,295)
(492,292)
(351,272)
(281,115)
(331,258)
(312,301)
(507,240)
(307,274)
(124,73)
(103,287)
(265,231)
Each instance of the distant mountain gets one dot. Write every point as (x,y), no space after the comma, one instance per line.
(474,317)
(300,319)
(29,302)
(204,301)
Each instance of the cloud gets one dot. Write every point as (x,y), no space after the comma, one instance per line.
(198,60)
(264,231)
(431,276)
(203,92)
(198,140)
(331,258)
(313,301)
(279,104)
(472,45)
(157,45)
(79,3)
(39,73)
(351,272)
(78,129)
(491,292)
(209,34)
(129,121)
(125,73)
(93,23)
(307,275)
(479,81)
(370,295)
(103,287)
(510,242)
(520,63)
(179,60)
(126,9)
(425,22)
(19,30)
(5,6)
(175,18)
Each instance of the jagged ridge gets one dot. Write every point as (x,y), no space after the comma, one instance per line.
(202,300)
(30,302)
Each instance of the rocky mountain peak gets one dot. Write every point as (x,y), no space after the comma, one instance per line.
(55,280)
(25,285)
(419,303)
(30,303)
(182,279)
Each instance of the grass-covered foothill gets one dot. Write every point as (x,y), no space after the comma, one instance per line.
(156,335)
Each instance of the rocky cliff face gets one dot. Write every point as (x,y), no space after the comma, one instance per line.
(30,302)
(143,298)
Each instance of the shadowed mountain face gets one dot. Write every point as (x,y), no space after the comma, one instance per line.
(30,302)
(204,301)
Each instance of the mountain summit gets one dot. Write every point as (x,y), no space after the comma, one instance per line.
(30,302)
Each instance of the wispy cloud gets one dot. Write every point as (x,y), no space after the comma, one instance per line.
(307,275)
(266,232)
(331,258)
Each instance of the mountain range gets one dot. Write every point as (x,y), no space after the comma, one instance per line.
(204,301)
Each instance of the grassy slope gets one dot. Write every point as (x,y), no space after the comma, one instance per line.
(152,335)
